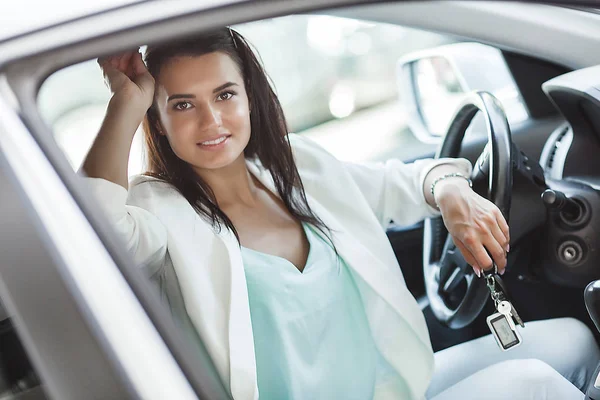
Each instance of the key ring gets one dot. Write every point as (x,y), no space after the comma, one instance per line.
(492,272)
(490,281)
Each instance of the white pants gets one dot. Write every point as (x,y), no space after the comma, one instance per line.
(555,361)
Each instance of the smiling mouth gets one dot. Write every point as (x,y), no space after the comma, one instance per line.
(214,142)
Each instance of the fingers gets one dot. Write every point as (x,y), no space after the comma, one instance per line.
(468,256)
(499,236)
(114,61)
(497,251)
(142,78)
(503,225)
(109,65)
(482,246)
(114,78)
(128,65)
(484,250)
(122,61)
(104,62)
(138,64)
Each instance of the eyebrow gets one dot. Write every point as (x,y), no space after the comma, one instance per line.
(191,96)
(224,86)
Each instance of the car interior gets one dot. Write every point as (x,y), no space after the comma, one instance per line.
(528,120)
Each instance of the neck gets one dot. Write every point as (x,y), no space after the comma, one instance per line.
(232,184)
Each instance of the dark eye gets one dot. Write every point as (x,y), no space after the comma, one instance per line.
(225,95)
(182,105)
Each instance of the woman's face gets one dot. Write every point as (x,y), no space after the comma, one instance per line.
(204,109)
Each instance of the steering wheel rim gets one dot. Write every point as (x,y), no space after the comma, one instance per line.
(445,269)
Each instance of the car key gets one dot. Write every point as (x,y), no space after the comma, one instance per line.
(499,294)
(503,328)
(504,296)
(502,323)
(516,316)
(505,308)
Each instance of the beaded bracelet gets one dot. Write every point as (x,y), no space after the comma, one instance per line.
(451,175)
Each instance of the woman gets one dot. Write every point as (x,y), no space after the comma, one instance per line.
(272,251)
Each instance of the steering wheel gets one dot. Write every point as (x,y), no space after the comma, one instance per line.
(456,295)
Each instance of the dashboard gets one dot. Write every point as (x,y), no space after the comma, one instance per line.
(570,159)
(554,154)
(573,149)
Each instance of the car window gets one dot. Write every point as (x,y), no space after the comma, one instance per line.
(335,77)
(338,81)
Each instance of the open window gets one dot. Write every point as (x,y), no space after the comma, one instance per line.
(335,77)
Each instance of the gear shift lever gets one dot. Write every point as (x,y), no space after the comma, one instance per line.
(591,296)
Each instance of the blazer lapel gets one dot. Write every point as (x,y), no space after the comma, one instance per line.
(242,360)
(389,286)
(397,322)
(224,317)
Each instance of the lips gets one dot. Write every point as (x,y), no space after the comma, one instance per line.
(214,141)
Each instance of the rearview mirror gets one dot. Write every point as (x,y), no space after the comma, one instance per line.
(432,84)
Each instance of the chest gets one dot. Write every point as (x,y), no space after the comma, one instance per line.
(269,228)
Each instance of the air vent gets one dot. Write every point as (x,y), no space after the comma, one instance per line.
(557,144)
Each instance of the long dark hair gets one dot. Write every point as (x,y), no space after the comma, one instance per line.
(268,139)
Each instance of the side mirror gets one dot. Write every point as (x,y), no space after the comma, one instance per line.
(433,82)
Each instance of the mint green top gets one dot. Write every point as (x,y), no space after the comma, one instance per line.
(311,335)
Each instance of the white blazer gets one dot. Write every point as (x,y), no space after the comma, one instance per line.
(355,201)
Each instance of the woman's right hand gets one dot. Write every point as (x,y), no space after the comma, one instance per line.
(133,92)
(128,79)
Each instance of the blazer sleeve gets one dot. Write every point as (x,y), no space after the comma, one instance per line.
(143,234)
(394,189)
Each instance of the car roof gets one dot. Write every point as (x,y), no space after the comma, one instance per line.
(21,17)
(567,36)
(542,31)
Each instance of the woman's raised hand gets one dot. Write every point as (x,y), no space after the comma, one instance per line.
(128,79)
(132,87)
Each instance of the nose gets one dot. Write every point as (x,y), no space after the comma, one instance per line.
(209,117)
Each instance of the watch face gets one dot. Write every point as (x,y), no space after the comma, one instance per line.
(503,332)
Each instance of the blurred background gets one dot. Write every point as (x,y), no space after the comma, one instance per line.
(336,79)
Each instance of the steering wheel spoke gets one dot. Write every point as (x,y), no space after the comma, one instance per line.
(450,284)
(453,268)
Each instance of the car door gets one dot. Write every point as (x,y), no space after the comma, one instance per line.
(91,326)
